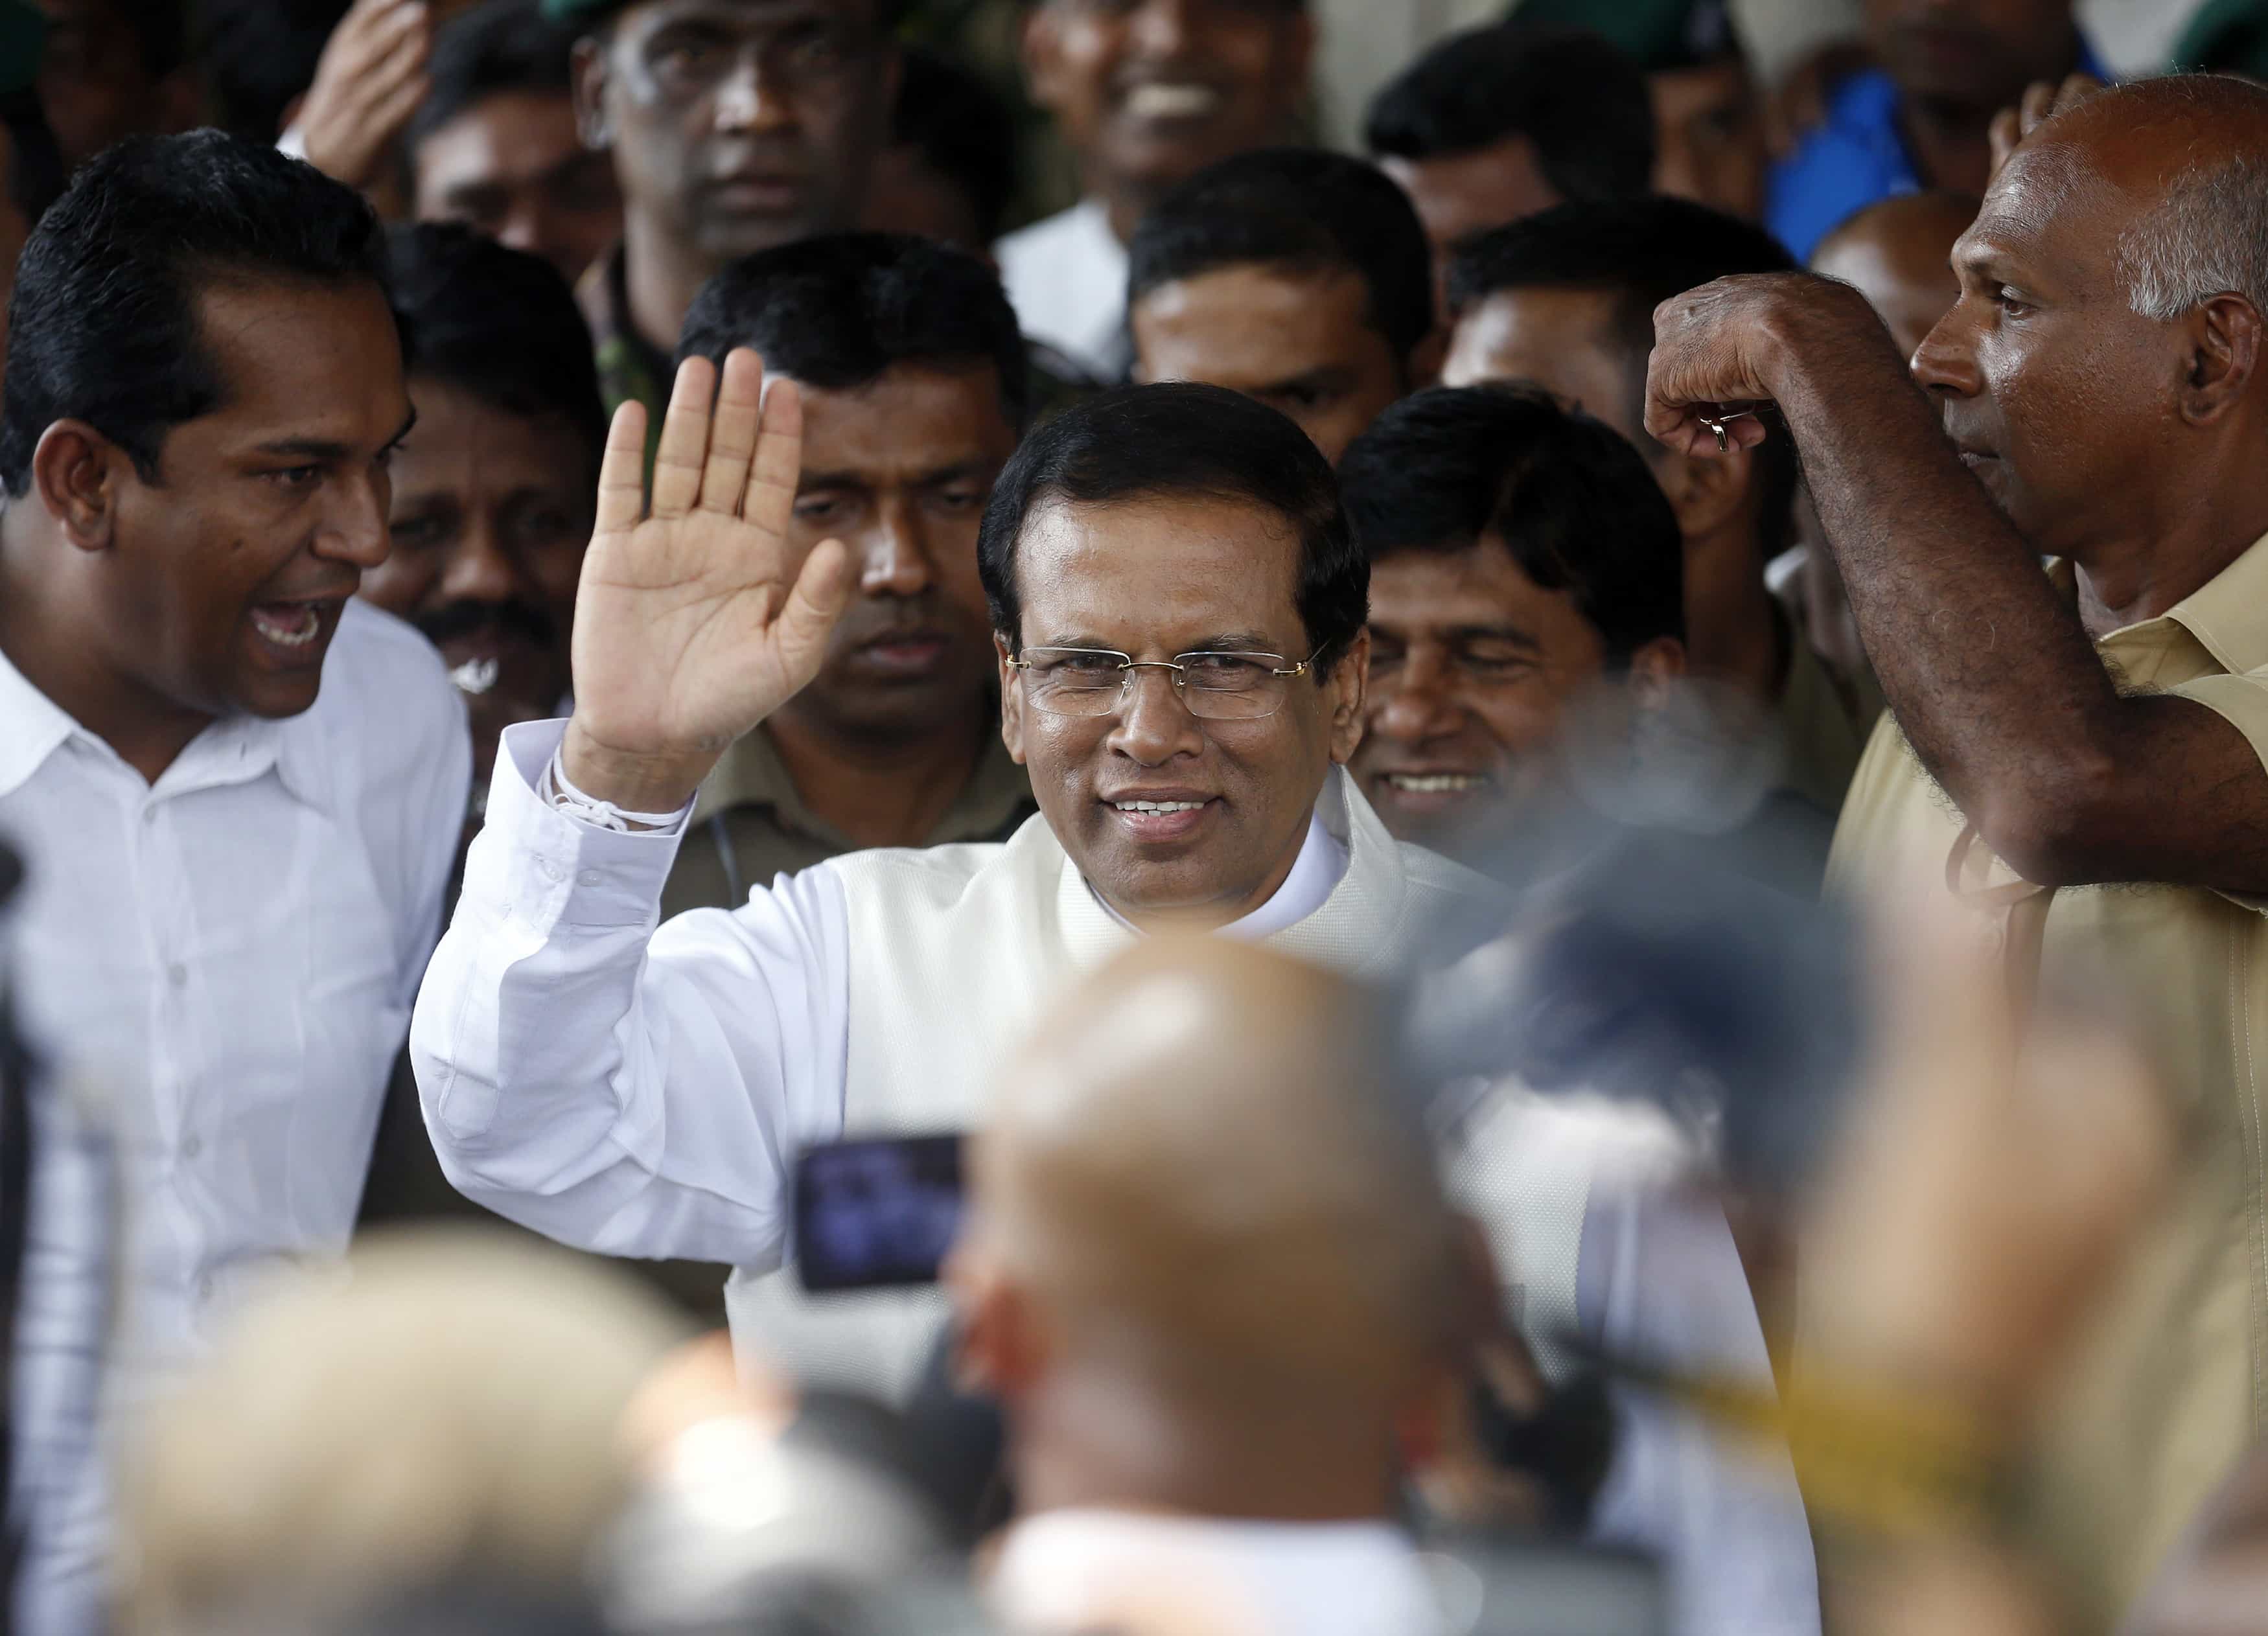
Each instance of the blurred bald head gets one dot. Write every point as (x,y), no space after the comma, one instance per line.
(1195,1182)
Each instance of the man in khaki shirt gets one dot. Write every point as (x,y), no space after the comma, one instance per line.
(914,389)
(2083,751)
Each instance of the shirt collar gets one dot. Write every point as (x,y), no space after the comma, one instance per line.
(2229,613)
(233,750)
(32,727)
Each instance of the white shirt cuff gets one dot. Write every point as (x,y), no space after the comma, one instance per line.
(548,867)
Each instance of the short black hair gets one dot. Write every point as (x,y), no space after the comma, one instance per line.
(259,55)
(498,323)
(835,311)
(963,129)
(1583,104)
(103,326)
(1641,252)
(1182,439)
(1302,209)
(1570,498)
(502,45)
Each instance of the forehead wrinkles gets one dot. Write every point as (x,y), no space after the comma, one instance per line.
(2048,208)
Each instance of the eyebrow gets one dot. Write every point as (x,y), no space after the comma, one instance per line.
(958,469)
(326,449)
(1459,634)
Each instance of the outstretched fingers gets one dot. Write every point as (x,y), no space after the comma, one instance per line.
(622,472)
(773,473)
(679,458)
(732,432)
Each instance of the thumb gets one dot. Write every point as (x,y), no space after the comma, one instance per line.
(821,593)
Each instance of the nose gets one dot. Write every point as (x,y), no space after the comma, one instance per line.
(1417,703)
(1155,726)
(1945,363)
(750,100)
(896,555)
(354,527)
(1163,28)
(478,570)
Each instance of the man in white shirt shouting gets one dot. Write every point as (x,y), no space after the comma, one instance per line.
(1178,606)
(235,788)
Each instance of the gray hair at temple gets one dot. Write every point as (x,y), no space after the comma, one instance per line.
(2208,235)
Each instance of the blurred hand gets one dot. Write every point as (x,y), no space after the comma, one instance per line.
(1722,348)
(1992,1174)
(2043,101)
(369,80)
(696,621)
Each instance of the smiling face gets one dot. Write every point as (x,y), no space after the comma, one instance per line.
(1157,578)
(231,571)
(1151,91)
(1302,344)
(737,125)
(490,519)
(513,167)
(1472,667)
(898,470)
(2061,398)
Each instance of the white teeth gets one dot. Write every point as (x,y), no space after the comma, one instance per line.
(294,630)
(1156,101)
(1157,807)
(1434,783)
(475,676)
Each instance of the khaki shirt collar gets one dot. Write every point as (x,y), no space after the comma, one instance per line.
(751,774)
(2228,616)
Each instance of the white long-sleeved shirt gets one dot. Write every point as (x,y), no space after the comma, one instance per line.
(227,959)
(644,1093)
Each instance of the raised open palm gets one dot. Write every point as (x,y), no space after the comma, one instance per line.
(697,619)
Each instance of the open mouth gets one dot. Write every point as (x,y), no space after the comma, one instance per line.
(1171,100)
(1161,818)
(290,628)
(1436,782)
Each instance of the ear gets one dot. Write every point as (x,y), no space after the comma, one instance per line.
(1349,686)
(1707,496)
(1012,701)
(2223,351)
(77,473)
(1042,53)
(588,72)
(1654,669)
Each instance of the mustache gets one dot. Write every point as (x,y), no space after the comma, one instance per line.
(511,617)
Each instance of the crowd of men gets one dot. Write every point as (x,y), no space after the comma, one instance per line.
(587,638)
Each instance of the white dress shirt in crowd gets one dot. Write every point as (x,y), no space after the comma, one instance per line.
(1066,276)
(1096,1570)
(644,1093)
(228,959)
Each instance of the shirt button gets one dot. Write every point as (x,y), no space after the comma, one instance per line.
(150,815)
(589,877)
(191,1146)
(548,870)
(177,975)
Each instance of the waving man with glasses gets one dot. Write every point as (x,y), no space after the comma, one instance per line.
(1178,606)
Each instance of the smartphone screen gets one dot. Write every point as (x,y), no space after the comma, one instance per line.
(876,1213)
